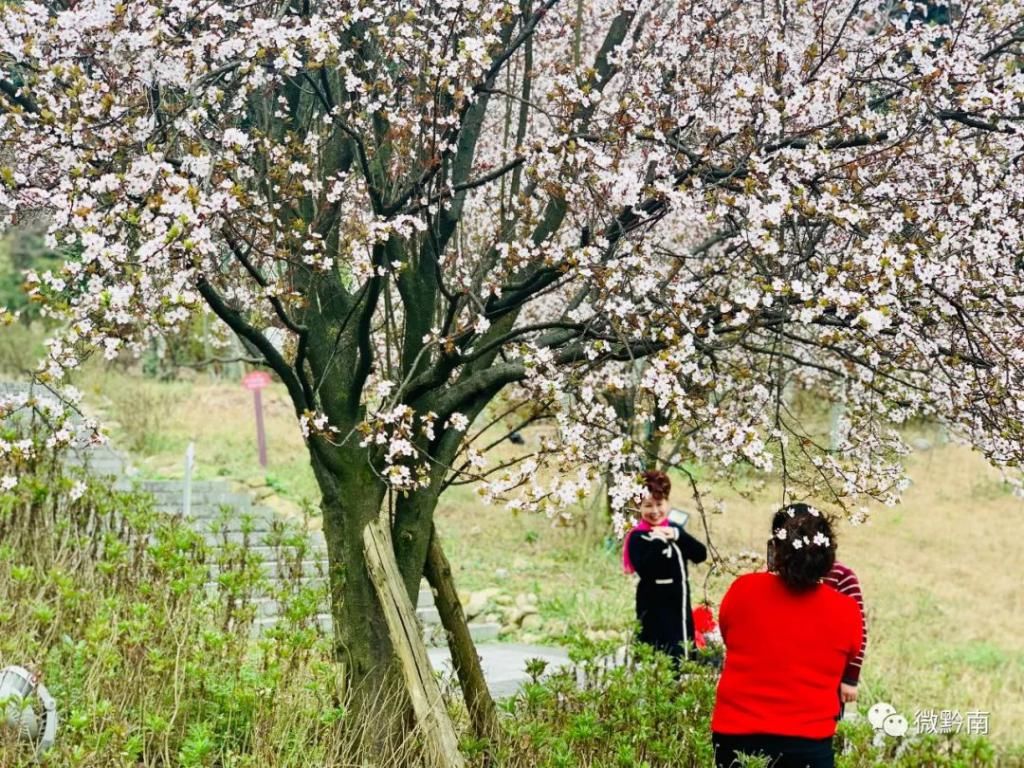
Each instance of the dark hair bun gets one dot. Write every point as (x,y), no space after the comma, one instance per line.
(805,545)
(658,483)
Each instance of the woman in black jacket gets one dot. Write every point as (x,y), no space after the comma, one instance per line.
(657,550)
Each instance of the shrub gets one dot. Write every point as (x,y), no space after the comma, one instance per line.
(106,599)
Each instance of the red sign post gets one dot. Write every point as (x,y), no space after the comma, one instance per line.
(255,381)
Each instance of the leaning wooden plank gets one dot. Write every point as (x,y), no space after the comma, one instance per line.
(428,705)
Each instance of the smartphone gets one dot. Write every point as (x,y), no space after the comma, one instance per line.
(770,555)
(679,517)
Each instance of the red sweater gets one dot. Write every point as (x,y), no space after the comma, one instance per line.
(784,656)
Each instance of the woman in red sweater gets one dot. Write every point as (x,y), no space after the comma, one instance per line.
(788,638)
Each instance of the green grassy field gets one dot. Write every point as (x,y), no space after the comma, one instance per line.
(941,572)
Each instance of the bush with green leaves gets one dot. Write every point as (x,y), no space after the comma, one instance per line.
(109,601)
(633,713)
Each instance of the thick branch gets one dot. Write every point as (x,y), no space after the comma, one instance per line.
(234,320)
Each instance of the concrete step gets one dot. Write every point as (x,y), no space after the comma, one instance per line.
(314,582)
(261,625)
(105,468)
(483,632)
(221,513)
(271,568)
(267,607)
(428,614)
(270,553)
(198,486)
(249,520)
(203,504)
(255,539)
(261,540)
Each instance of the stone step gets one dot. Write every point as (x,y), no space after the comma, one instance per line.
(481,633)
(269,606)
(312,582)
(105,468)
(250,520)
(270,567)
(198,486)
(270,553)
(261,625)
(484,631)
(255,539)
(222,513)
(428,614)
(203,504)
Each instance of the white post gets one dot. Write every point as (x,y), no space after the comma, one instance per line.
(186,500)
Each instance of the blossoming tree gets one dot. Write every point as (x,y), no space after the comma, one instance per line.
(410,208)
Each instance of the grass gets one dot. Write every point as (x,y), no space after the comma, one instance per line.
(157,420)
(940,572)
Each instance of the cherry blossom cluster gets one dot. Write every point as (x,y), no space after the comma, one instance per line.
(39,424)
(689,232)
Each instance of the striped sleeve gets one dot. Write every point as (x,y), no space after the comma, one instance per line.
(845,581)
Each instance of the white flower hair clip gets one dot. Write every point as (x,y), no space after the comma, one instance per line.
(819,540)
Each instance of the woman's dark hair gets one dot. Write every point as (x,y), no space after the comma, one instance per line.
(657,484)
(804,545)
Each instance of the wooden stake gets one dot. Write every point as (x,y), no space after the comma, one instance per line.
(435,724)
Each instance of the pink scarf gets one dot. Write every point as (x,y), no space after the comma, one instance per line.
(643,527)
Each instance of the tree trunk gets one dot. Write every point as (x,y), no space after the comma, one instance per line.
(362,642)
(434,725)
(378,644)
(482,714)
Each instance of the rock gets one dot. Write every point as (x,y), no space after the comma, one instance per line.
(492,618)
(532,622)
(527,598)
(921,444)
(503,600)
(478,602)
(501,573)
(518,614)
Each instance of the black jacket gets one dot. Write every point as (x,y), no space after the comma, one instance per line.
(663,604)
